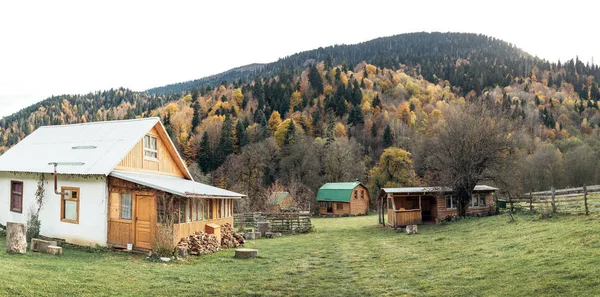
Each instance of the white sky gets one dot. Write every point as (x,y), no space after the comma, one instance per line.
(71,47)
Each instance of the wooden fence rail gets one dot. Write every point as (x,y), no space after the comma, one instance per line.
(296,222)
(572,200)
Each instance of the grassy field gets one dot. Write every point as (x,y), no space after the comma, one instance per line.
(559,256)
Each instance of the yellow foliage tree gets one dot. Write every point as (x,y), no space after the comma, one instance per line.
(295,100)
(394,169)
(340,131)
(274,121)
(282,130)
(237,96)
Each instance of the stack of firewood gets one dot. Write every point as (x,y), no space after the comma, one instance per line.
(230,238)
(199,244)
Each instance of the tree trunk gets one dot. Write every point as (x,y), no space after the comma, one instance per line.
(16,242)
(463,198)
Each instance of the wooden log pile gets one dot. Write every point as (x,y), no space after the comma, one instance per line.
(199,243)
(230,238)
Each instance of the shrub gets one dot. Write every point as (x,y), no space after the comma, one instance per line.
(163,243)
(33,224)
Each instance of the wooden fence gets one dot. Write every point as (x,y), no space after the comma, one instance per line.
(573,200)
(284,222)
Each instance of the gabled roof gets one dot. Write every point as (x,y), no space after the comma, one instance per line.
(88,148)
(478,188)
(175,185)
(340,192)
(279,197)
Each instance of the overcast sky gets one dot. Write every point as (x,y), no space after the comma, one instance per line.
(67,47)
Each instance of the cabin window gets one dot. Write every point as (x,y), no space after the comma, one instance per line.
(390,204)
(362,194)
(474,200)
(126,206)
(356,194)
(150,147)
(450,201)
(69,206)
(339,206)
(481,199)
(193,210)
(16,196)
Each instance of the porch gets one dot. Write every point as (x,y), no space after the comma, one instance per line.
(411,209)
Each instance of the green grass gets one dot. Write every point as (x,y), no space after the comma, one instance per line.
(559,256)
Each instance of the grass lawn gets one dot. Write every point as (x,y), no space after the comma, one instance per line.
(559,256)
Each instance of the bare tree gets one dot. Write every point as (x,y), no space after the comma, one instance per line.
(343,160)
(474,143)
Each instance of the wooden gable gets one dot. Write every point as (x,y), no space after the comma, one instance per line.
(167,162)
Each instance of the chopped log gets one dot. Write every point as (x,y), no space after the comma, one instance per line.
(54,250)
(199,243)
(268,234)
(40,245)
(230,238)
(257,235)
(246,253)
(16,242)
(275,234)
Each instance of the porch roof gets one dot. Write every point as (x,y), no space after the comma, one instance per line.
(175,185)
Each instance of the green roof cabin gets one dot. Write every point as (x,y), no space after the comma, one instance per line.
(343,199)
(281,200)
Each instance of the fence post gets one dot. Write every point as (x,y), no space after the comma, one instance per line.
(553,201)
(585,200)
(531,200)
(511,203)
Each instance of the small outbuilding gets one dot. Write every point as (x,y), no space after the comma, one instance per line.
(350,198)
(281,200)
(419,205)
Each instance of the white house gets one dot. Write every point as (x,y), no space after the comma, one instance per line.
(116,181)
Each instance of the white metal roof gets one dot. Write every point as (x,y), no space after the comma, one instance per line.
(175,185)
(433,189)
(100,146)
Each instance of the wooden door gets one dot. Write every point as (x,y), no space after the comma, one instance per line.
(144,221)
(329,206)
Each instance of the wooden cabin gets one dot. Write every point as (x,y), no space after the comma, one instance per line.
(350,198)
(281,200)
(116,181)
(420,205)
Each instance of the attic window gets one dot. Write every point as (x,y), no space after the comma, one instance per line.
(84,147)
(150,147)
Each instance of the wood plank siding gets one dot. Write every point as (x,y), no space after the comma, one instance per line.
(190,214)
(167,161)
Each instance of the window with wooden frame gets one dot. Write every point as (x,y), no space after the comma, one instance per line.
(211,209)
(339,206)
(390,204)
(482,199)
(450,201)
(362,194)
(69,205)
(150,147)
(126,206)
(474,200)
(16,196)
(355,194)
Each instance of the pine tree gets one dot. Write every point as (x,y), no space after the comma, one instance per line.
(314,77)
(356,116)
(195,117)
(225,146)
(205,157)
(388,138)
(241,136)
(194,94)
(376,101)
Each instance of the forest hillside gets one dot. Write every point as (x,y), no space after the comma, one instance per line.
(331,114)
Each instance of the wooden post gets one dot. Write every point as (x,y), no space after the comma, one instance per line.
(531,200)
(553,201)
(585,200)
(511,203)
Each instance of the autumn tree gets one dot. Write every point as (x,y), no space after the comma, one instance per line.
(226,145)
(473,144)
(394,169)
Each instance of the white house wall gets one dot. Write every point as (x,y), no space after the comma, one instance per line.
(92,227)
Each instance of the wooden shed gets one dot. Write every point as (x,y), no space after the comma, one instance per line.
(350,198)
(420,205)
